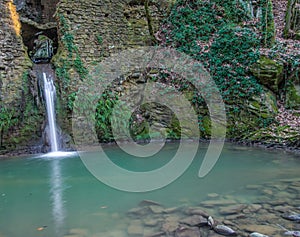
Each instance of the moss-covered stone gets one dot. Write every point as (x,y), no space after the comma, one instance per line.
(264,105)
(269,72)
(297,35)
(293,97)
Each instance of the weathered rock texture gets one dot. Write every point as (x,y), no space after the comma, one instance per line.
(102,27)
(39,11)
(13,59)
(89,31)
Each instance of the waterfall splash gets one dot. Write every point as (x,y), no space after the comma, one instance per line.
(49,90)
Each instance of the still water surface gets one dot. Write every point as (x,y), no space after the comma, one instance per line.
(57,194)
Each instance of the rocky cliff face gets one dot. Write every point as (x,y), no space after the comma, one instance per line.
(102,27)
(13,59)
(84,32)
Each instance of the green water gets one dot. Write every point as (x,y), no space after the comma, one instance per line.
(60,193)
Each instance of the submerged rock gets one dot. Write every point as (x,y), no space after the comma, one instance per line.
(135,228)
(210,221)
(197,211)
(256,234)
(218,202)
(293,233)
(266,229)
(194,220)
(156,209)
(170,226)
(138,211)
(233,209)
(187,232)
(149,203)
(224,230)
(291,217)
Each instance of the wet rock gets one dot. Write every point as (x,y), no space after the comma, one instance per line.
(256,234)
(135,228)
(291,217)
(197,211)
(157,234)
(265,229)
(187,232)
(253,208)
(172,210)
(267,192)
(280,187)
(227,222)
(150,232)
(282,208)
(278,202)
(263,212)
(156,209)
(213,195)
(149,203)
(210,221)
(43,49)
(224,230)
(138,211)
(194,220)
(233,209)
(236,217)
(218,202)
(151,221)
(170,226)
(214,234)
(292,233)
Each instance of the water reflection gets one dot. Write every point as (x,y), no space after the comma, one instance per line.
(56,195)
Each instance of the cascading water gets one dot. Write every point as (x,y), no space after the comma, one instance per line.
(49,91)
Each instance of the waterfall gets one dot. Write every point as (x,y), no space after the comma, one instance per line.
(49,90)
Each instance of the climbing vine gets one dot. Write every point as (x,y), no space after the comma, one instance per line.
(210,32)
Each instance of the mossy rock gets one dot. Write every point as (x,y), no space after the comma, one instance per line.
(269,72)
(293,97)
(263,106)
(297,35)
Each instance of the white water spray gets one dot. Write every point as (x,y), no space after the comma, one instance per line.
(49,90)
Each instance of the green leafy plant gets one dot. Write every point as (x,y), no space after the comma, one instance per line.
(7,120)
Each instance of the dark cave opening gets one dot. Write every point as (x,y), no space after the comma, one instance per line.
(30,34)
(38,19)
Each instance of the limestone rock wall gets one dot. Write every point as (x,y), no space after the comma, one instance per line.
(13,59)
(41,11)
(89,31)
(102,27)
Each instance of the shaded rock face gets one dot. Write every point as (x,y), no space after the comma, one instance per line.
(108,26)
(37,17)
(39,11)
(13,59)
(269,73)
(264,105)
(43,50)
(63,140)
(293,96)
